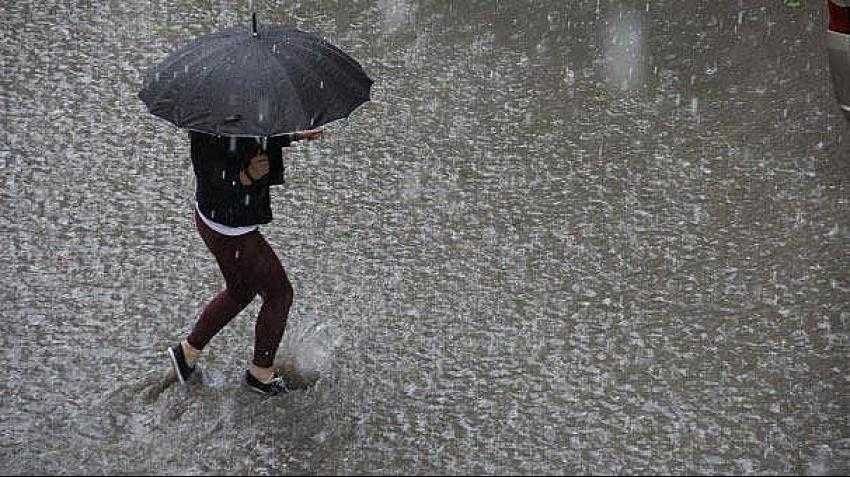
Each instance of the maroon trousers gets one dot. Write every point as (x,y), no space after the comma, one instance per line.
(249,266)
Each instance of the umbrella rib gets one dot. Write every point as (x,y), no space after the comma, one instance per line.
(212,52)
(164,92)
(332,63)
(191,47)
(301,68)
(331,48)
(337,92)
(292,86)
(203,82)
(330,53)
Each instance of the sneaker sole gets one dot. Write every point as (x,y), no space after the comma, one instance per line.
(260,391)
(176,367)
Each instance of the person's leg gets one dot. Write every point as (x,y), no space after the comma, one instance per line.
(239,291)
(277,294)
(271,322)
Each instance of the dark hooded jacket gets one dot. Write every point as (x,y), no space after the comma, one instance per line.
(217,161)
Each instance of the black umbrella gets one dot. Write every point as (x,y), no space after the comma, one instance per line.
(265,81)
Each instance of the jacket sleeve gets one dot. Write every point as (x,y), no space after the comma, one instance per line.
(274,147)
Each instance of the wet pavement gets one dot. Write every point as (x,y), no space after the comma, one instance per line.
(564,237)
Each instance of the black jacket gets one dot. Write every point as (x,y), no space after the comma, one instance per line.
(217,161)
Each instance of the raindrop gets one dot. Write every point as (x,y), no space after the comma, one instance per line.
(222,174)
(261,117)
(569,76)
(237,254)
(322,84)
(247,199)
(274,48)
(234,184)
(212,214)
(186,69)
(157,76)
(233,144)
(695,109)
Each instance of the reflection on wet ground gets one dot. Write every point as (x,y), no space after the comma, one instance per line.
(565,237)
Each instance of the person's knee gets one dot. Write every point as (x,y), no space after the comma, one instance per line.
(279,292)
(288,292)
(241,295)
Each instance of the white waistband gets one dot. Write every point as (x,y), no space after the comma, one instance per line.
(224,229)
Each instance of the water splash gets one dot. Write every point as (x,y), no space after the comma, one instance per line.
(308,348)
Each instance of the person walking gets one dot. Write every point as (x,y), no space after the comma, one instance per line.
(233,176)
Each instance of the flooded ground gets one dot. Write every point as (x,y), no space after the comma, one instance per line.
(564,237)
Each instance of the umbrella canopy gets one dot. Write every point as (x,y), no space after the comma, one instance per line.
(263,81)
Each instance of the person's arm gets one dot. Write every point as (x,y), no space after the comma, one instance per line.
(310,135)
(275,145)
